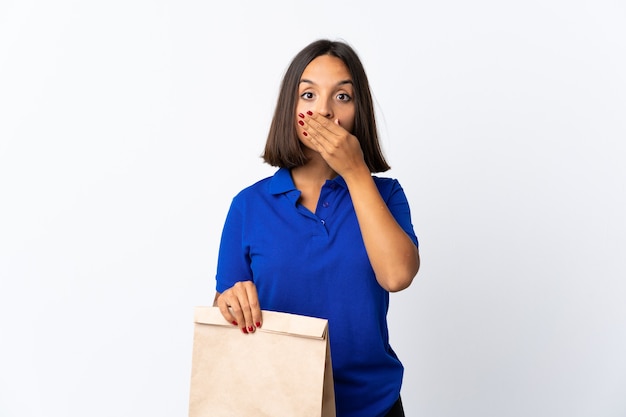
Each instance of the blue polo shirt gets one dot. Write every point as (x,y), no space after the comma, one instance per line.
(315,264)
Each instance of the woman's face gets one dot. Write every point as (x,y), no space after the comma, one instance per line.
(326,88)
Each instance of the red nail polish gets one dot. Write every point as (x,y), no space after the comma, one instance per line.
(250,328)
(243,329)
(305,134)
(234,323)
(301,115)
(310,113)
(300,122)
(258,324)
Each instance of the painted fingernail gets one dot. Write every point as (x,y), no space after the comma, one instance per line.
(258,324)
(243,329)
(250,328)
(301,115)
(310,113)
(234,323)
(300,122)
(305,134)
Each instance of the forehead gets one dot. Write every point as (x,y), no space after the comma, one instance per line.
(326,67)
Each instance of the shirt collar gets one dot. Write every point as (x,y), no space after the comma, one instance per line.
(282,182)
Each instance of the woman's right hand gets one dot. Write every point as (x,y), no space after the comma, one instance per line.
(240,306)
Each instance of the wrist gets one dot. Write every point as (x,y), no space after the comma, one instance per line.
(357,174)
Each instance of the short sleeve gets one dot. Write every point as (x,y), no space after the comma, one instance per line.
(233,263)
(399,207)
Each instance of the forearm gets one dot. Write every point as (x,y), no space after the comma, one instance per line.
(392,253)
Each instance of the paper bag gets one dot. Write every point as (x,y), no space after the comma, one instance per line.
(282,369)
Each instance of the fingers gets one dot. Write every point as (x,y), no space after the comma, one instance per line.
(323,131)
(324,134)
(225,310)
(255,308)
(240,306)
(339,148)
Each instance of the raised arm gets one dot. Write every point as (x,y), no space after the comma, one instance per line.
(392,253)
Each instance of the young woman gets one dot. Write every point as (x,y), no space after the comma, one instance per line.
(324,237)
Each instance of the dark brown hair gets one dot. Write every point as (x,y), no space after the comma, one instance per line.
(283,149)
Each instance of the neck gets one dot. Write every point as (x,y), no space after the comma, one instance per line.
(315,171)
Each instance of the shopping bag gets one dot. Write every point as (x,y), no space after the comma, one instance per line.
(283,369)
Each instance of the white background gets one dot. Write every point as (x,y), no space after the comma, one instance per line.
(126,127)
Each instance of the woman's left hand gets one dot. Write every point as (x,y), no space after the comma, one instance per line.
(340,149)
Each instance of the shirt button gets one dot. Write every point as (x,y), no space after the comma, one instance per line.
(323,221)
(325,204)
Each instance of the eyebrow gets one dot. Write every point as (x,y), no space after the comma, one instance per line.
(343,82)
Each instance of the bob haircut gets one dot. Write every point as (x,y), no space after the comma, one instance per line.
(283,148)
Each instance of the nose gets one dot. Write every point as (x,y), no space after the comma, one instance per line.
(324,107)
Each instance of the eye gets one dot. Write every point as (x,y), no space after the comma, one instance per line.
(306,95)
(343,97)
